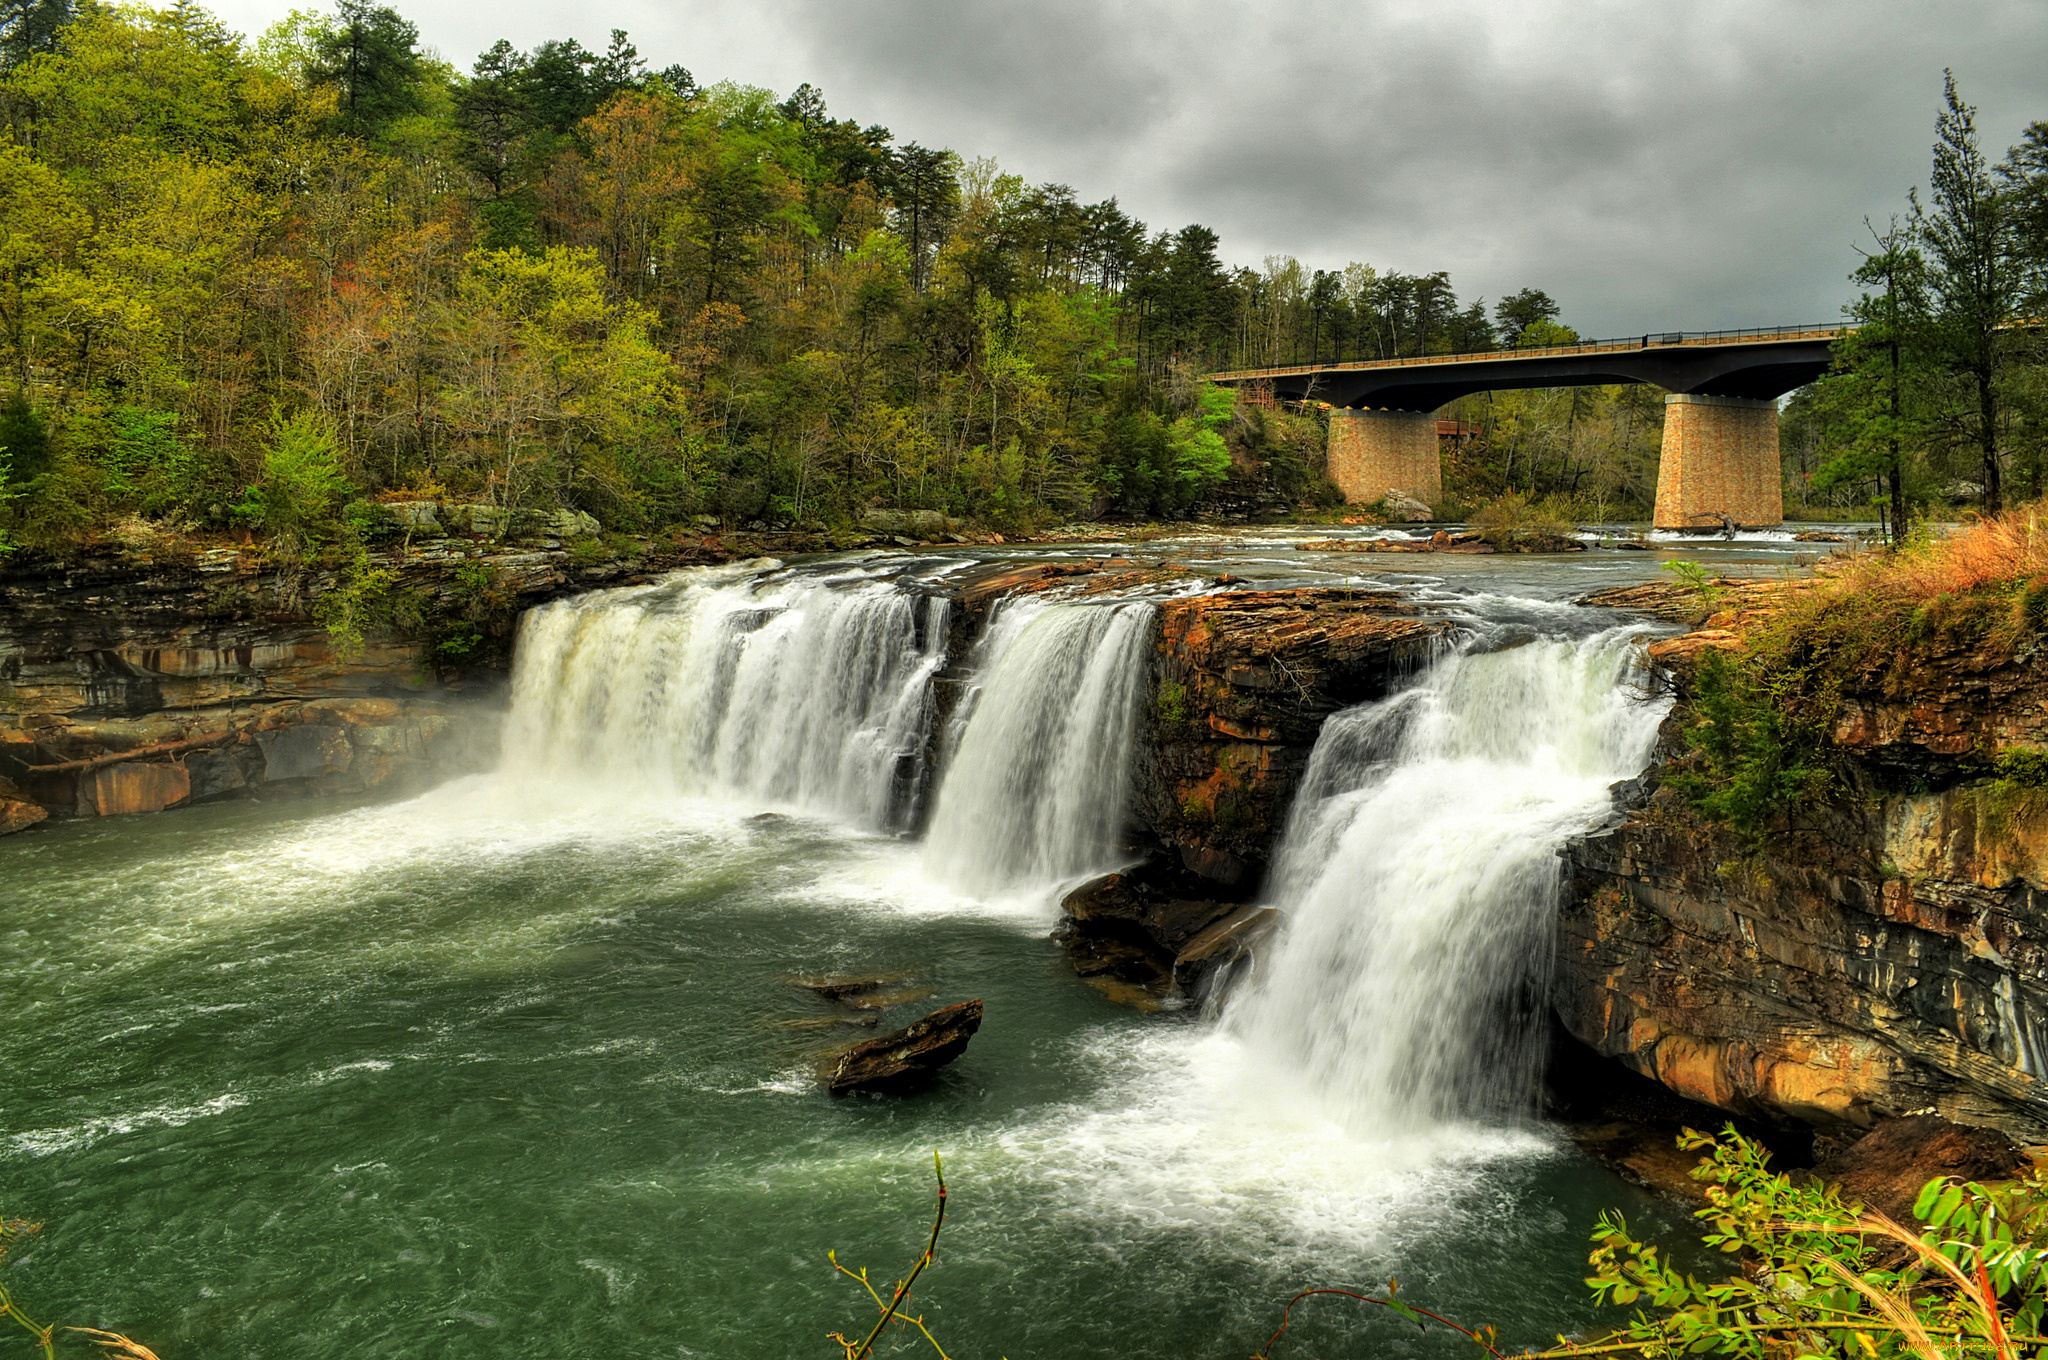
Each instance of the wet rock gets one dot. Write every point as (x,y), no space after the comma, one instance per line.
(921,523)
(905,1058)
(1134,929)
(1886,1168)
(886,999)
(1218,949)
(121,790)
(1242,683)
(217,774)
(842,986)
(1816,536)
(17,812)
(1399,507)
(304,752)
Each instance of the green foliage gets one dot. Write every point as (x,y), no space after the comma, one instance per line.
(25,440)
(1514,518)
(1172,703)
(146,466)
(1759,747)
(475,627)
(2023,767)
(360,598)
(1819,1279)
(304,489)
(1701,581)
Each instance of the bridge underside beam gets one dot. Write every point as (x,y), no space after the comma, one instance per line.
(1374,452)
(1720,458)
(1730,371)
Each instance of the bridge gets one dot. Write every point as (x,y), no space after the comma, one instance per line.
(1720,452)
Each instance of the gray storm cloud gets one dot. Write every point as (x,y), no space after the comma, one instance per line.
(1653,165)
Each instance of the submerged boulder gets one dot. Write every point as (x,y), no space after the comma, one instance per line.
(906,1057)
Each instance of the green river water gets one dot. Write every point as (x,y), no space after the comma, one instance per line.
(510,1073)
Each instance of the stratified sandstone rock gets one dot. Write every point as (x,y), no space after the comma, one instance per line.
(1886,954)
(17,813)
(1244,680)
(1132,928)
(906,1058)
(1890,962)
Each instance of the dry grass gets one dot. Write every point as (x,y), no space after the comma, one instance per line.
(2000,552)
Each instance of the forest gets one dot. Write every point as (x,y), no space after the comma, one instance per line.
(256,286)
(247,286)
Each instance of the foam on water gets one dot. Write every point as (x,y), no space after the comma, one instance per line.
(1419,880)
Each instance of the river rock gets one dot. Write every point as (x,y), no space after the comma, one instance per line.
(17,813)
(1886,1168)
(1130,927)
(906,1057)
(1401,508)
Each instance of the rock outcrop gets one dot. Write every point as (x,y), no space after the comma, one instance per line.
(1886,1168)
(134,682)
(906,1058)
(1131,934)
(1243,682)
(1886,956)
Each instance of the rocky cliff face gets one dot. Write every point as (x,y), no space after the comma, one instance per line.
(1884,958)
(136,681)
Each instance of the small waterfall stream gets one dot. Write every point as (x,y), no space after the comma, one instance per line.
(1038,777)
(1419,880)
(811,691)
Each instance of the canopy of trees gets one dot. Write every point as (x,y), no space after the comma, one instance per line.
(567,279)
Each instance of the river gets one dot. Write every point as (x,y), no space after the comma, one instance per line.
(514,1068)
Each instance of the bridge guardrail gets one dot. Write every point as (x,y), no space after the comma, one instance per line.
(1651,340)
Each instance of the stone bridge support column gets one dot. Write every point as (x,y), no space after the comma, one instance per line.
(1374,452)
(1720,458)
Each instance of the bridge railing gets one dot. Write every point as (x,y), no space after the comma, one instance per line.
(1651,340)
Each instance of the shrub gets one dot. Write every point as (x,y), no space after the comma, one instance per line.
(304,491)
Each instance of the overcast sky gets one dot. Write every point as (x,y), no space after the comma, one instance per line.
(1653,165)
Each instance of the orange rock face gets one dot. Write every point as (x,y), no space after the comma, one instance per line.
(1243,682)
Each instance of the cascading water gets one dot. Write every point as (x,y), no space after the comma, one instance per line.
(1420,877)
(809,691)
(1038,778)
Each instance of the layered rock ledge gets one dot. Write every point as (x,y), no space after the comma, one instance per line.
(1885,956)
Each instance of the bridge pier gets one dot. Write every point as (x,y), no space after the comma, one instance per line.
(1720,458)
(1374,452)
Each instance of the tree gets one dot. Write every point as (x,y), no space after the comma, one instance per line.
(496,115)
(1518,311)
(371,58)
(925,188)
(29,27)
(1970,276)
(1868,389)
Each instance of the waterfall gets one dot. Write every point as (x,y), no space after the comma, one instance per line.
(1419,880)
(1037,782)
(809,691)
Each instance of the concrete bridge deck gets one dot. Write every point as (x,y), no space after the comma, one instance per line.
(1720,453)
